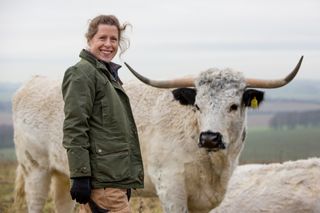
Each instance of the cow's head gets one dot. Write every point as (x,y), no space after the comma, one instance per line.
(220,97)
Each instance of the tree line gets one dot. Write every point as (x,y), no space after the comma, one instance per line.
(279,120)
(294,119)
(6,136)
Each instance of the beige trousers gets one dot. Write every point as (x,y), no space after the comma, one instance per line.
(111,199)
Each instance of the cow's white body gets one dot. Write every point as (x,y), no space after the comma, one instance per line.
(38,118)
(185,177)
(291,187)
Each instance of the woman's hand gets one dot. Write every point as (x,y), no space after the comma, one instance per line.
(81,189)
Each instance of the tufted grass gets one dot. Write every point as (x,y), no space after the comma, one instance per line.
(7,178)
(7,175)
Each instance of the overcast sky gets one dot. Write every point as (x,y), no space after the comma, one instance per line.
(169,38)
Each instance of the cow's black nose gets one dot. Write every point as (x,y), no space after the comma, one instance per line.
(211,140)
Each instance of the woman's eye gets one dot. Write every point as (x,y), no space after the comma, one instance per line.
(233,107)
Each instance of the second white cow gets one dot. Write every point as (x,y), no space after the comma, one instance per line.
(290,187)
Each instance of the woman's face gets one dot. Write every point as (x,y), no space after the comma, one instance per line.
(104,44)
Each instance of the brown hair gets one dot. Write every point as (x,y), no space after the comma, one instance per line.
(124,42)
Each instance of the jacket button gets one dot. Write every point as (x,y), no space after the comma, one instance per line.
(84,169)
(99,150)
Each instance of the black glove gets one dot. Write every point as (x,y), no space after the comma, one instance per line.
(81,189)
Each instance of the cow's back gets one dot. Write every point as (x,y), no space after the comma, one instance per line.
(142,99)
(288,187)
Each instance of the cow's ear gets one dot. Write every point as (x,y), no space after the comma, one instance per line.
(252,98)
(186,96)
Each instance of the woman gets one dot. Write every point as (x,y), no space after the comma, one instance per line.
(99,132)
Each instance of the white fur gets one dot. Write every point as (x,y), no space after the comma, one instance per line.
(37,118)
(185,177)
(291,187)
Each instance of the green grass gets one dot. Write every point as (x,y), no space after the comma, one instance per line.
(7,177)
(269,145)
(8,166)
(7,154)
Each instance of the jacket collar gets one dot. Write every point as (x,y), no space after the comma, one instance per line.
(109,68)
(85,54)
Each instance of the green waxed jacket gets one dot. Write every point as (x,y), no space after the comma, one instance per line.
(99,132)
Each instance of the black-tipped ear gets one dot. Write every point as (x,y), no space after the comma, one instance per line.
(186,96)
(252,98)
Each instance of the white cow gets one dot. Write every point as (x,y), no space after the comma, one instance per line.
(291,187)
(191,139)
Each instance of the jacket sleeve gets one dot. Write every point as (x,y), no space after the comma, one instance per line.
(78,92)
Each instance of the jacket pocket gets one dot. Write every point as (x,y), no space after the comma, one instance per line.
(113,167)
(113,119)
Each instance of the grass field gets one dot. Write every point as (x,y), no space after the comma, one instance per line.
(269,145)
(7,155)
(262,146)
(7,177)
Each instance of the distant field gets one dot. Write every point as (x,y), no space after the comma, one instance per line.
(261,117)
(269,145)
(262,145)
(7,154)
(5,118)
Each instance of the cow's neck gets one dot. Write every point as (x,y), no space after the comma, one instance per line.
(218,168)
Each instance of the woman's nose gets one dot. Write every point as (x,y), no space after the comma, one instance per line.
(107,42)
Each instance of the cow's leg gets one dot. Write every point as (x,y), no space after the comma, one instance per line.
(170,188)
(37,185)
(61,190)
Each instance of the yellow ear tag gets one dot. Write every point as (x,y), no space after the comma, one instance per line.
(254,103)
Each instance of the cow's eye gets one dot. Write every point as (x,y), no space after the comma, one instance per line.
(233,107)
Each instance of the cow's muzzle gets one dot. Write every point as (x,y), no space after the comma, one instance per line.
(211,141)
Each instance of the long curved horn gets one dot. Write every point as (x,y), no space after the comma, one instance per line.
(175,83)
(259,83)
